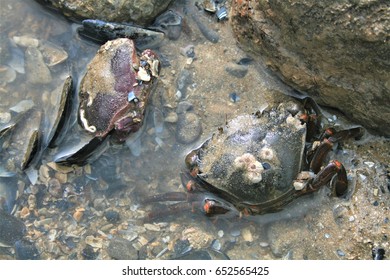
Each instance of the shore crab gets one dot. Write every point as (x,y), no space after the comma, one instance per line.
(113,96)
(258,163)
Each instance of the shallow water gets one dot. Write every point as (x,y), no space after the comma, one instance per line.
(66,210)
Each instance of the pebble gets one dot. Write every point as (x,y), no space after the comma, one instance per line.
(25,250)
(188,51)
(36,68)
(152,227)
(235,232)
(12,229)
(121,249)
(247,235)
(184,79)
(220,233)
(370,164)
(183,107)
(264,244)
(216,245)
(171,117)
(340,253)
(351,218)
(112,216)
(93,241)
(236,70)
(89,253)
(55,188)
(189,128)
(5,117)
(22,106)
(234,97)
(362,177)
(7,74)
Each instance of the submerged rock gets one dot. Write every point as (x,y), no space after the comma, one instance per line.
(141,12)
(337,52)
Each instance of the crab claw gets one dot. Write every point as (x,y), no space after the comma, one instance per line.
(215,207)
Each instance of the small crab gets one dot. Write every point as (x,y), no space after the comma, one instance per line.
(259,163)
(113,96)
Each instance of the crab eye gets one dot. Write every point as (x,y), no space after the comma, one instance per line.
(266,165)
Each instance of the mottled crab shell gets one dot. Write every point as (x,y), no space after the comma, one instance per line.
(254,158)
(105,88)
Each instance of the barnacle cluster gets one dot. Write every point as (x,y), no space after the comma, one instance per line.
(250,167)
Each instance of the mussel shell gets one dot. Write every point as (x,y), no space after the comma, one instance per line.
(100,32)
(23,134)
(86,151)
(62,120)
(170,23)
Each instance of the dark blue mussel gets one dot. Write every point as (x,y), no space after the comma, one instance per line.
(101,31)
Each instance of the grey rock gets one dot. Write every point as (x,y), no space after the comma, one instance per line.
(337,52)
(121,249)
(236,70)
(141,12)
(36,68)
(189,128)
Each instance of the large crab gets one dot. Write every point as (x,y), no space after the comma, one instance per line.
(259,163)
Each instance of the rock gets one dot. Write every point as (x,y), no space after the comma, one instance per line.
(11,229)
(337,52)
(121,249)
(141,12)
(189,128)
(36,69)
(236,70)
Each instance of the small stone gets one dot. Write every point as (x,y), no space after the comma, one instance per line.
(189,128)
(89,253)
(171,117)
(370,164)
(55,188)
(236,70)
(340,253)
(112,216)
(247,235)
(264,244)
(121,249)
(183,107)
(152,227)
(376,191)
(362,177)
(327,235)
(78,214)
(61,177)
(5,117)
(351,218)
(36,69)
(220,233)
(93,241)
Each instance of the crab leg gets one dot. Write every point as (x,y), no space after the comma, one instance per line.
(171,196)
(327,144)
(335,173)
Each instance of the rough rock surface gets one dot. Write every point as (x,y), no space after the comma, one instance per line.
(336,51)
(141,12)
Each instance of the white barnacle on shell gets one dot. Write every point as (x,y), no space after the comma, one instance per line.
(251,168)
(253,172)
(291,121)
(267,153)
(84,121)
